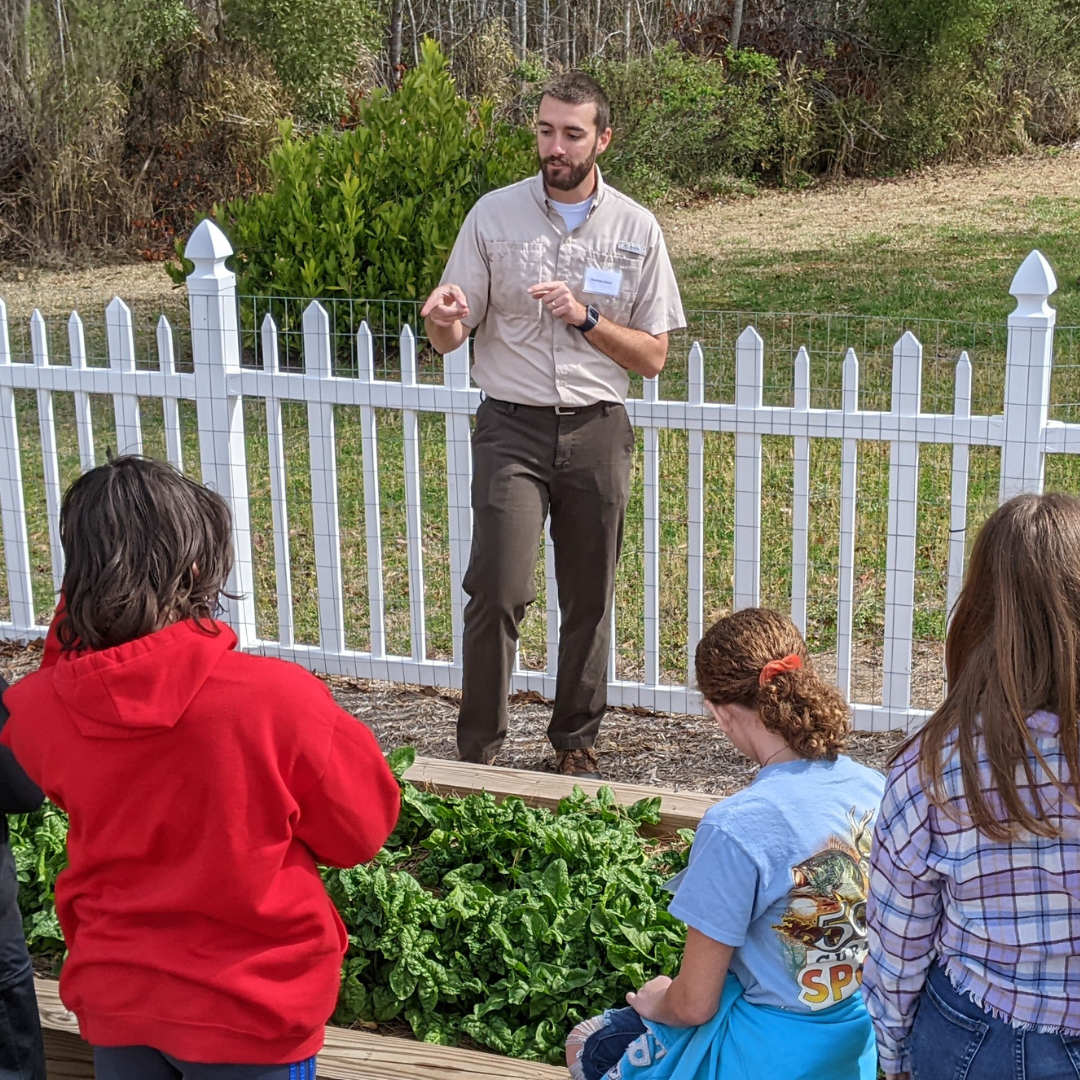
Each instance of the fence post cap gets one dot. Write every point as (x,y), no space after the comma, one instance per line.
(1032,285)
(207,242)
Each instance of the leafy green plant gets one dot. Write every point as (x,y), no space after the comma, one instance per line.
(39,845)
(501,922)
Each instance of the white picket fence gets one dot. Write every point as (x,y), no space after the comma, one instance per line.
(219,384)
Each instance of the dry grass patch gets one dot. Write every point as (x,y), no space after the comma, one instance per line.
(994,198)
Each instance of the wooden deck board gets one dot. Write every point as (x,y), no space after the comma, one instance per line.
(347,1055)
(678,809)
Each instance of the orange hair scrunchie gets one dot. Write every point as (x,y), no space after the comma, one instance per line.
(791,662)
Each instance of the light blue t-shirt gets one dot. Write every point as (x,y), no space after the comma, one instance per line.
(779,871)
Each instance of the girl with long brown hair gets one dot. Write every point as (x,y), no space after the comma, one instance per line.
(774,894)
(974,907)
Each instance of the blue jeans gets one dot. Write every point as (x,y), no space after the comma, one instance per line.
(145,1063)
(605,1046)
(954,1039)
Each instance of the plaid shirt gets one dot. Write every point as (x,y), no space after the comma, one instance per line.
(1003,918)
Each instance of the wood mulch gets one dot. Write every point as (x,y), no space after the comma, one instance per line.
(635,746)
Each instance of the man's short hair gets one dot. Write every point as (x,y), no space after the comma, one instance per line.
(577,88)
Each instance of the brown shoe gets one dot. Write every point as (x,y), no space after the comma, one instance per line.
(579,763)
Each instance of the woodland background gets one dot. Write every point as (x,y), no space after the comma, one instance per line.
(121,121)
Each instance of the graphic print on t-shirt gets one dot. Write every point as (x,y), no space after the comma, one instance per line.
(824,927)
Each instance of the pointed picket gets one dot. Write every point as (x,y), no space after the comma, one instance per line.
(845,606)
(372,512)
(695,525)
(12,503)
(324,486)
(551,597)
(413,518)
(50,459)
(959,495)
(800,505)
(170,406)
(121,335)
(84,424)
(459,484)
(651,469)
(279,508)
(900,547)
(749,384)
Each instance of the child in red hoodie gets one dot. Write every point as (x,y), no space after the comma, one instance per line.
(203,786)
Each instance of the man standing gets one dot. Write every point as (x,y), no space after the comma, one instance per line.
(569,287)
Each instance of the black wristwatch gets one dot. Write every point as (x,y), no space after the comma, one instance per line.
(592,317)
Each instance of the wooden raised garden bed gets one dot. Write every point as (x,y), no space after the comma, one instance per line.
(359,1055)
(678,809)
(347,1055)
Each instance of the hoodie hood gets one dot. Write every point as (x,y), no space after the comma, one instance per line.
(143,686)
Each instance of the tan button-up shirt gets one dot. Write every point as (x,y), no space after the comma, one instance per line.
(616,261)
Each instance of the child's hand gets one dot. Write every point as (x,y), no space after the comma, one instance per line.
(648,1001)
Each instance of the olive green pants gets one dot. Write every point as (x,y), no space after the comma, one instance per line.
(527,462)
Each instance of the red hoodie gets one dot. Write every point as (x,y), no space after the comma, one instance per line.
(203,785)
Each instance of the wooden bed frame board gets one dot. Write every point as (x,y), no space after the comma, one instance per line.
(347,1055)
(678,809)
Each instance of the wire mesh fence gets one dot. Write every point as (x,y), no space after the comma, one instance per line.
(852,478)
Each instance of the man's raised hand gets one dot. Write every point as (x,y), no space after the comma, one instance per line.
(560,301)
(446,306)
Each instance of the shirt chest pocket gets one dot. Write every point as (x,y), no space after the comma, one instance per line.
(515,265)
(610,282)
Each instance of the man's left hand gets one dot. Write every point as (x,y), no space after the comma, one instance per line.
(559,301)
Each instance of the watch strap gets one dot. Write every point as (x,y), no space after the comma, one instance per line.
(592,317)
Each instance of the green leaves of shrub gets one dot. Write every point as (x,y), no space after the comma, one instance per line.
(501,922)
(373,211)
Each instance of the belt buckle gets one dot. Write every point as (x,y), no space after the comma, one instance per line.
(565,410)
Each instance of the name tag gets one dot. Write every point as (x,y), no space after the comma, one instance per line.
(631,249)
(603,282)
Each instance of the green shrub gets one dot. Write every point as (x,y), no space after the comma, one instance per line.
(504,923)
(373,211)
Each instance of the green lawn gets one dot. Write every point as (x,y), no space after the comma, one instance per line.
(951,290)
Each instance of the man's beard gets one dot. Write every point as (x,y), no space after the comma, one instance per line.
(570,179)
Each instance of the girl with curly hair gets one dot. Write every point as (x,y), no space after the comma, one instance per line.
(774,895)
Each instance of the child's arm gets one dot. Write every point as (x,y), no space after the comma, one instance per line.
(351,810)
(693,996)
(18,793)
(903,910)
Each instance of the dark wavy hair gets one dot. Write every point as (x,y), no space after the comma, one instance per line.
(809,714)
(144,546)
(577,88)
